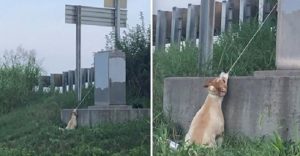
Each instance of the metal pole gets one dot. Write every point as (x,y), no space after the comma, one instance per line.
(206,31)
(78,54)
(117,22)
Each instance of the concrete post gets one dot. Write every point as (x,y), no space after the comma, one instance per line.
(84,72)
(288,34)
(91,75)
(223,16)
(267,8)
(206,31)
(230,16)
(176,27)
(242,10)
(64,81)
(71,79)
(161,28)
(78,55)
(260,11)
(44,81)
(192,27)
(247,11)
(52,82)
(41,84)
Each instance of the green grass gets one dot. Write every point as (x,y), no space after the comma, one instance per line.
(231,146)
(33,130)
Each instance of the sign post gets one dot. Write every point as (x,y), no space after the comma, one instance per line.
(117,22)
(92,16)
(78,54)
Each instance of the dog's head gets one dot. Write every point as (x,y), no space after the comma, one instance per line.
(74,112)
(217,86)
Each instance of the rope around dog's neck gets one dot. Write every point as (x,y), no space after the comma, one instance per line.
(259,28)
(84,97)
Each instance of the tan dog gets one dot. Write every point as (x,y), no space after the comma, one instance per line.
(72,124)
(208,123)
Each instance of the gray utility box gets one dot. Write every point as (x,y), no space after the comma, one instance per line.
(110,78)
(288,34)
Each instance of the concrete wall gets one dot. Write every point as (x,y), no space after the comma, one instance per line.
(91,117)
(253,106)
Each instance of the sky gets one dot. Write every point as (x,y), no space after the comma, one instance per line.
(40,25)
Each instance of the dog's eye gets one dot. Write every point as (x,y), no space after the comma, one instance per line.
(224,81)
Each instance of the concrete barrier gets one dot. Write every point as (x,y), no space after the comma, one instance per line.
(96,116)
(253,106)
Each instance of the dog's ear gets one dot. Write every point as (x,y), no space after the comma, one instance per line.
(208,83)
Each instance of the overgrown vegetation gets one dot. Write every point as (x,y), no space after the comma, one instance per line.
(31,124)
(260,55)
(33,130)
(19,72)
(231,146)
(135,43)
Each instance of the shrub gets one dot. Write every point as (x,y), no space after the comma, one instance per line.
(136,45)
(19,74)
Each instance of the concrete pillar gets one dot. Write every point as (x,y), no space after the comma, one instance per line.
(247,11)
(71,79)
(223,16)
(192,28)
(84,75)
(55,81)
(267,8)
(52,83)
(229,16)
(91,75)
(161,28)
(41,85)
(44,81)
(288,34)
(242,11)
(176,26)
(206,31)
(261,11)
(64,81)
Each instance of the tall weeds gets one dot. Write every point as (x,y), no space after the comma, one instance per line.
(19,73)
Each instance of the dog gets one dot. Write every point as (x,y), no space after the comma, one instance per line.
(72,124)
(207,125)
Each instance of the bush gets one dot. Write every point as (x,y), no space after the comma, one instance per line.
(19,74)
(136,45)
